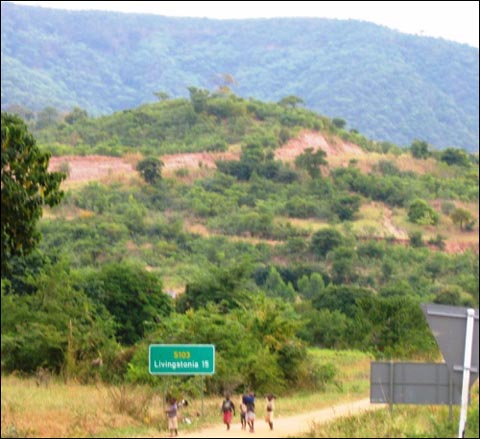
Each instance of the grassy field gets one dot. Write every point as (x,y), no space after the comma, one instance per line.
(403,422)
(56,409)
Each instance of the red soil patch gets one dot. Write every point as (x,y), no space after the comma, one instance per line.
(460,247)
(96,167)
(196,159)
(91,167)
(316,141)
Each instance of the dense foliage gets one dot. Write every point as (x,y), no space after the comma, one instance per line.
(27,186)
(262,258)
(390,86)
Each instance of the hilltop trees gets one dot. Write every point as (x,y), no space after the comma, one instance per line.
(76,115)
(455,156)
(291,101)
(150,169)
(26,187)
(339,123)
(261,252)
(419,149)
(198,98)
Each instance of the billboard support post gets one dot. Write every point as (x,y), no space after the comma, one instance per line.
(467,364)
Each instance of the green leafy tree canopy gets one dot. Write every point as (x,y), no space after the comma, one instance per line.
(310,161)
(26,187)
(420,212)
(150,169)
(419,149)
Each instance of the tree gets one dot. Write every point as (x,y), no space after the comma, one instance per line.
(339,123)
(416,238)
(24,112)
(346,206)
(56,326)
(290,101)
(150,169)
(325,240)
(455,156)
(198,98)
(76,115)
(310,287)
(419,149)
(134,297)
(224,82)
(393,326)
(26,187)
(310,161)
(343,298)
(463,218)
(276,287)
(161,95)
(225,285)
(47,117)
(419,212)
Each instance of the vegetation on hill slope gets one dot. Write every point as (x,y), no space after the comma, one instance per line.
(388,85)
(288,259)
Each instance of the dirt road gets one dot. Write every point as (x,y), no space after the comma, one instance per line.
(285,426)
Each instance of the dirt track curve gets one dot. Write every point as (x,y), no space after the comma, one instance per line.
(283,426)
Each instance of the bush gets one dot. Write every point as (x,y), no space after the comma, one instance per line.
(325,240)
(419,212)
(416,239)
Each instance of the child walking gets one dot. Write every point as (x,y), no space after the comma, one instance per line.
(269,410)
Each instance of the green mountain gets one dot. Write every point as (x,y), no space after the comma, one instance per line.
(264,229)
(389,85)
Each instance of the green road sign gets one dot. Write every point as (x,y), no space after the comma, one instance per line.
(181,359)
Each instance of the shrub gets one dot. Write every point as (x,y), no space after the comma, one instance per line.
(420,212)
(325,240)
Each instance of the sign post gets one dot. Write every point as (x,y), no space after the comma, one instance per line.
(181,359)
(456,330)
(466,371)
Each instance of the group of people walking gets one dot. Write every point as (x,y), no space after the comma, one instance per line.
(247,411)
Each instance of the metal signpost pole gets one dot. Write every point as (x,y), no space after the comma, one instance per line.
(201,384)
(467,364)
(182,359)
(390,403)
(450,397)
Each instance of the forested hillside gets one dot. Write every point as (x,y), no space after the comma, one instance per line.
(286,231)
(389,86)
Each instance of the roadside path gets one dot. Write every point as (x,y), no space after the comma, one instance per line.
(284,426)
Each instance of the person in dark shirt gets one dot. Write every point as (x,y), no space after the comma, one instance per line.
(249,401)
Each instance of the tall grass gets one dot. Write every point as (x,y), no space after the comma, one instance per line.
(402,422)
(97,410)
(74,410)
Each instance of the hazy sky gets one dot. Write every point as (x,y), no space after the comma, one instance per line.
(457,21)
